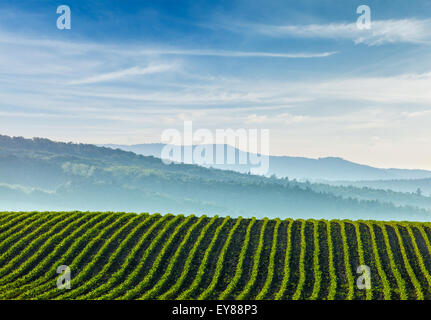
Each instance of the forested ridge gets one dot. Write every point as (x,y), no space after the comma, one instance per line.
(39,174)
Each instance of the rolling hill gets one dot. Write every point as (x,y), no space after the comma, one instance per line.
(39,174)
(402,185)
(131,256)
(321,169)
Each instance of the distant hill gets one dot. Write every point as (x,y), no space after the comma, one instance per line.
(322,169)
(421,186)
(40,174)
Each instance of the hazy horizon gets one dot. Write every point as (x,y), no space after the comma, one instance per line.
(303,70)
(276,155)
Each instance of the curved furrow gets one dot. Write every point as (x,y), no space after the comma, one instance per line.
(428,246)
(425,237)
(130,256)
(20,230)
(399,279)
(44,249)
(298,292)
(286,274)
(79,278)
(204,295)
(123,287)
(46,281)
(114,257)
(419,257)
(271,267)
(79,283)
(333,278)
(13,225)
(317,272)
(238,272)
(414,280)
(174,289)
(11,220)
(119,274)
(382,274)
(201,271)
(164,278)
(142,285)
(368,292)
(230,262)
(6,216)
(15,255)
(18,286)
(90,247)
(350,280)
(256,260)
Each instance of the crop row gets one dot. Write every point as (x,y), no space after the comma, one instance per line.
(131,256)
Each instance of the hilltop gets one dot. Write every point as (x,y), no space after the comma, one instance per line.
(301,168)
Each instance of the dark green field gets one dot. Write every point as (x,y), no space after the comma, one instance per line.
(131,256)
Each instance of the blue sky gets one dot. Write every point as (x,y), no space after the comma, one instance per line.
(127,70)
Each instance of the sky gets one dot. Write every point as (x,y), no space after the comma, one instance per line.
(128,70)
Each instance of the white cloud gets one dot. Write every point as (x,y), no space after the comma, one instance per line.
(282,118)
(75,48)
(321,117)
(135,71)
(238,54)
(381,32)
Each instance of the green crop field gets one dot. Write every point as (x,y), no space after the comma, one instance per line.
(141,256)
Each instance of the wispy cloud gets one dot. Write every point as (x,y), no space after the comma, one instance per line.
(381,32)
(238,54)
(135,71)
(73,48)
